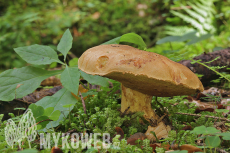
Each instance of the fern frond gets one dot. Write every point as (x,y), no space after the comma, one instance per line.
(206,7)
(189,20)
(194,14)
(197,9)
(177,30)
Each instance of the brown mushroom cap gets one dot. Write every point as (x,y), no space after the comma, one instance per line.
(146,72)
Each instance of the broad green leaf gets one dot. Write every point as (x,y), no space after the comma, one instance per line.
(65,43)
(58,100)
(135,39)
(73,62)
(67,106)
(203,130)
(198,39)
(113,41)
(211,130)
(95,79)
(48,111)
(199,130)
(70,79)
(168,39)
(217,48)
(44,120)
(187,36)
(37,110)
(37,54)
(55,115)
(22,81)
(213,141)
(225,136)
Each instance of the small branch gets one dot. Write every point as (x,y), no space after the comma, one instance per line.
(223,119)
(83,102)
(123,114)
(181,8)
(71,131)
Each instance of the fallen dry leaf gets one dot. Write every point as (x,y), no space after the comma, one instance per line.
(187,147)
(161,131)
(137,136)
(51,81)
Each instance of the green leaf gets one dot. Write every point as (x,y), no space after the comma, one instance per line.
(70,79)
(65,43)
(48,111)
(213,141)
(199,130)
(37,54)
(113,41)
(55,115)
(26,78)
(211,130)
(58,100)
(198,39)
(95,79)
(187,36)
(37,110)
(67,106)
(73,62)
(225,136)
(135,39)
(45,120)
(203,130)
(19,108)
(168,39)
(217,48)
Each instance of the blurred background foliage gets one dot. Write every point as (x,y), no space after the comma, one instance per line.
(92,22)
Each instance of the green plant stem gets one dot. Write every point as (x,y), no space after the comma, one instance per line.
(84,85)
(223,119)
(213,70)
(171,46)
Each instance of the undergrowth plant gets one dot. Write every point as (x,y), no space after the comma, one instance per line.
(50,111)
(198,16)
(64,112)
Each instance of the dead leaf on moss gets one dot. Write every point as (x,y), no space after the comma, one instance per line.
(161,131)
(187,147)
(137,136)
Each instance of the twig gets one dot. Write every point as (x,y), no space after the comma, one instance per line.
(223,119)
(83,102)
(123,114)
(181,8)
(71,131)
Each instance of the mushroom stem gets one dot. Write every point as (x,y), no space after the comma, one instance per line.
(137,101)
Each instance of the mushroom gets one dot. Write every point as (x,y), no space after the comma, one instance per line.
(142,75)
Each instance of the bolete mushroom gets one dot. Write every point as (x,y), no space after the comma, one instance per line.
(142,75)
